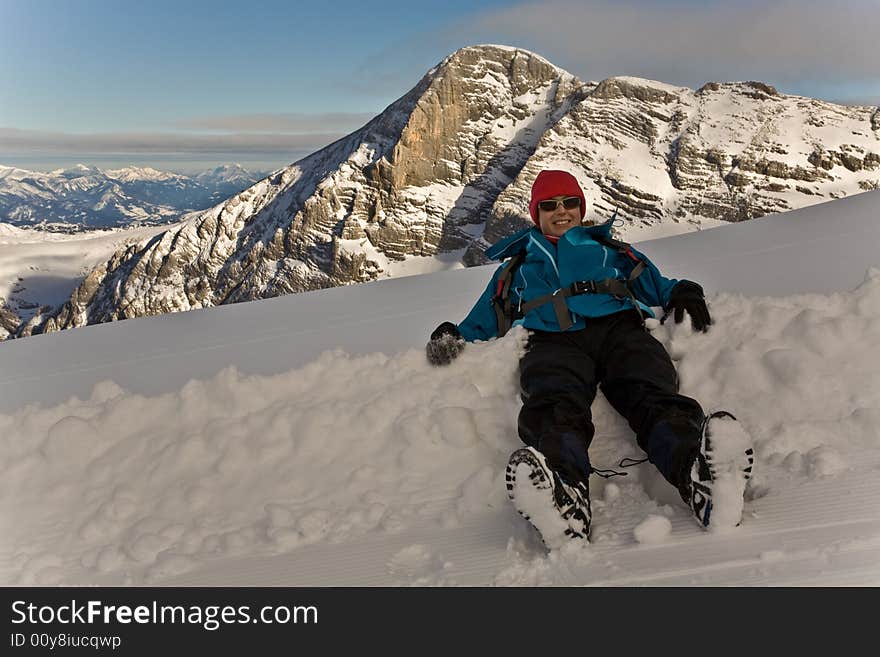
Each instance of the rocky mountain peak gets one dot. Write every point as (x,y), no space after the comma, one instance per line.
(751,89)
(637,88)
(225,172)
(447,169)
(81,170)
(478,84)
(132,174)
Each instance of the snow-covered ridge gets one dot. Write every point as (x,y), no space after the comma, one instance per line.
(228,173)
(14,173)
(40,269)
(84,198)
(487,50)
(7,230)
(129,174)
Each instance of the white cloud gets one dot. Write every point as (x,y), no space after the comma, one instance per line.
(282,123)
(684,42)
(244,133)
(39,141)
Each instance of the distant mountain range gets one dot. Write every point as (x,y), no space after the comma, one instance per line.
(84,198)
(446,170)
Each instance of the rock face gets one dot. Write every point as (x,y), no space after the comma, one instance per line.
(447,169)
(9,321)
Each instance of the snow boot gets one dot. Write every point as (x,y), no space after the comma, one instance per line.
(715,485)
(560,511)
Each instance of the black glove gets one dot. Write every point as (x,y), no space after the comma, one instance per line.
(445,344)
(688,296)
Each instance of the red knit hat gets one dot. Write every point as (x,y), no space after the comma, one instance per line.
(551,183)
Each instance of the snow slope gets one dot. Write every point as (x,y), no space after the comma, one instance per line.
(40,268)
(221,446)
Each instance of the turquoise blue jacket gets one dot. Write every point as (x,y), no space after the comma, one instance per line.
(548,267)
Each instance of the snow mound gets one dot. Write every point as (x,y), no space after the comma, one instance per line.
(653,529)
(144,487)
(123,488)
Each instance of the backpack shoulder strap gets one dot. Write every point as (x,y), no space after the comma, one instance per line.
(618,245)
(501,300)
(624,248)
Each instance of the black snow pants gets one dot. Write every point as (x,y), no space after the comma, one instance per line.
(559,376)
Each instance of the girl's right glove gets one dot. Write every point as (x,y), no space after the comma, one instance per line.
(445,344)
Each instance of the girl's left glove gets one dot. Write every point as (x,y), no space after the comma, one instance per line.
(688,296)
(445,344)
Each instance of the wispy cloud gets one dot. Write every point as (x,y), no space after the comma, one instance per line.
(38,141)
(687,42)
(296,123)
(809,47)
(869,101)
(242,134)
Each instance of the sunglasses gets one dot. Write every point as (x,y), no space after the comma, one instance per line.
(569,203)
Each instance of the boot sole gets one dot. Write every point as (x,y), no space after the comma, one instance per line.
(731,458)
(532,497)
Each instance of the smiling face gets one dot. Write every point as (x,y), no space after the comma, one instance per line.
(555,222)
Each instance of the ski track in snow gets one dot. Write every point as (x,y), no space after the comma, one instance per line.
(349,450)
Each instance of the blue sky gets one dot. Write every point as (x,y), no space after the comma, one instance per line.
(202,82)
